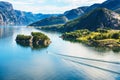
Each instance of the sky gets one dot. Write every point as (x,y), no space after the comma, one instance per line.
(50,6)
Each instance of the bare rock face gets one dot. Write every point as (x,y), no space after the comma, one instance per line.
(74,13)
(7,14)
(24,18)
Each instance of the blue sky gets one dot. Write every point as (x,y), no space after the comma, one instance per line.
(50,6)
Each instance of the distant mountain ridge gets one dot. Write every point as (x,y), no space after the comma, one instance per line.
(50,21)
(71,14)
(28,17)
(9,16)
(109,4)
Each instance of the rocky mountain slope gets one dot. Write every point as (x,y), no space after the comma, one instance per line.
(109,4)
(71,14)
(28,17)
(7,14)
(98,18)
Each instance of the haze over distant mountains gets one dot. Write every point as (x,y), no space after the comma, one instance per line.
(50,21)
(9,16)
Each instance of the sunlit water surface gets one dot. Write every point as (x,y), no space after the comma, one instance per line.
(24,63)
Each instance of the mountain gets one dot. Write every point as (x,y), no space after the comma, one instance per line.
(40,16)
(83,11)
(74,13)
(28,17)
(54,20)
(77,12)
(24,17)
(62,18)
(111,4)
(9,16)
(92,7)
(98,18)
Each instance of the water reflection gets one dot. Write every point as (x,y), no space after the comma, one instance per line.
(32,46)
(104,49)
(6,32)
(100,49)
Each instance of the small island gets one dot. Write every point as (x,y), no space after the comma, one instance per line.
(35,40)
(99,38)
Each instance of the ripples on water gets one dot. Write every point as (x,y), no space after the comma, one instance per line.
(24,63)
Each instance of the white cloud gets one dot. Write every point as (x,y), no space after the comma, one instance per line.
(46,9)
(50,6)
(81,2)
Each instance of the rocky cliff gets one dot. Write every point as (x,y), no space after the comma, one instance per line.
(9,16)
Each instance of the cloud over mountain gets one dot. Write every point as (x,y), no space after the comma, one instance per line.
(50,6)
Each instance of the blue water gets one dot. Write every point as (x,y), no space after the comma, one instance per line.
(24,63)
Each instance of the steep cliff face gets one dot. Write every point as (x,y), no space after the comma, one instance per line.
(74,13)
(24,18)
(7,14)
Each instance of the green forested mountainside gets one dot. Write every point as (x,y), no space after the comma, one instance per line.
(98,18)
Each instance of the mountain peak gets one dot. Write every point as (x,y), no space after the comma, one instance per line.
(74,13)
(6,5)
(111,4)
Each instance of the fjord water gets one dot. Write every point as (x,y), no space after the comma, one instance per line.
(56,62)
